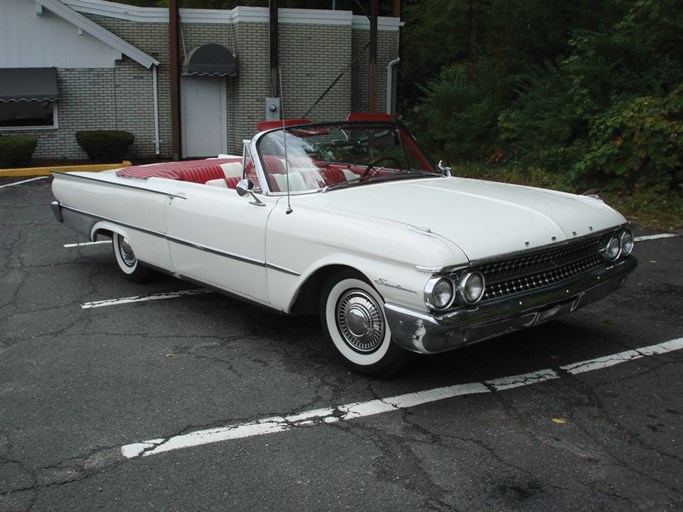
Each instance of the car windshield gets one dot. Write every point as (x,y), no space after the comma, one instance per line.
(328,156)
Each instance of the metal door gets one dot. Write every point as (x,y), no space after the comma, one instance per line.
(203,111)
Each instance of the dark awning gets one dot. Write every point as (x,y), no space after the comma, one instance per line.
(28,84)
(210,60)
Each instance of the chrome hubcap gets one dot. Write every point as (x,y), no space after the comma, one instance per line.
(360,321)
(126,251)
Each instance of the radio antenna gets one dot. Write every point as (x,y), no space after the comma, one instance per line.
(284,137)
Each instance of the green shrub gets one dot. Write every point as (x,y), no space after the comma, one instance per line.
(105,145)
(637,142)
(16,150)
(460,112)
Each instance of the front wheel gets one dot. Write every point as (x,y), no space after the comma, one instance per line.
(128,262)
(354,322)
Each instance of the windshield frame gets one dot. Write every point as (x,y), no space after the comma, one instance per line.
(404,140)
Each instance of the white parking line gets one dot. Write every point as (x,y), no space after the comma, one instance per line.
(23,181)
(655,237)
(271,425)
(143,298)
(84,244)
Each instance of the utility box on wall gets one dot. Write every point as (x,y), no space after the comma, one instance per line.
(273,109)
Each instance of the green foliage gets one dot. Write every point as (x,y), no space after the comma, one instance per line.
(542,124)
(637,142)
(603,107)
(524,34)
(461,109)
(16,150)
(105,145)
(435,36)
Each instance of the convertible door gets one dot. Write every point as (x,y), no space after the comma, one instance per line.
(218,238)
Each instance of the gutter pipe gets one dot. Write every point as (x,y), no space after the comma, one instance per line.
(390,85)
(155,93)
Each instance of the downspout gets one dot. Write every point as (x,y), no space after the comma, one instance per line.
(390,85)
(155,93)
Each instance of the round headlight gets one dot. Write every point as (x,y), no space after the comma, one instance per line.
(613,248)
(439,293)
(471,287)
(627,242)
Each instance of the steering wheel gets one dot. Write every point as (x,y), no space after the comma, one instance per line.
(373,164)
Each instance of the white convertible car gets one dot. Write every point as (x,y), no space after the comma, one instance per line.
(353,221)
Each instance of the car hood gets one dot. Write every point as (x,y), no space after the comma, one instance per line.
(482,218)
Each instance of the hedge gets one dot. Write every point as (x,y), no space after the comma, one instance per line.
(105,145)
(16,150)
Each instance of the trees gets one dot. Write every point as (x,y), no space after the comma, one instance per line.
(589,89)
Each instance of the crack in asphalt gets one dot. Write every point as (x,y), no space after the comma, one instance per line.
(74,469)
(398,464)
(622,431)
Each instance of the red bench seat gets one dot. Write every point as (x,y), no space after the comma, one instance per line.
(196,171)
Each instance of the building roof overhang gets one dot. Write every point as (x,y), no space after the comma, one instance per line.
(80,21)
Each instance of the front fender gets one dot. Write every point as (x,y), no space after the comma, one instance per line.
(386,252)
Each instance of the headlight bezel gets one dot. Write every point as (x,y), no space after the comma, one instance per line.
(457,289)
(618,245)
(431,289)
(612,250)
(463,296)
(627,241)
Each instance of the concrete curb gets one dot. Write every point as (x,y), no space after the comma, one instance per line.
(46,171)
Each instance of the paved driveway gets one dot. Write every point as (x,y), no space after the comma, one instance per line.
(116,396)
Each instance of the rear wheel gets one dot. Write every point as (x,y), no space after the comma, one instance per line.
(354,322)
(128,262)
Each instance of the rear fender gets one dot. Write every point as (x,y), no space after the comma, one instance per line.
(107,229)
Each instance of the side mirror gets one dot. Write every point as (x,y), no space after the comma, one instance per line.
(245,187)
(443,168)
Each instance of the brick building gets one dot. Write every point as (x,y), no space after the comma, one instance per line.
(70,65)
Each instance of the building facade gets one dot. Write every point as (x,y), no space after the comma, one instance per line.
(111,68)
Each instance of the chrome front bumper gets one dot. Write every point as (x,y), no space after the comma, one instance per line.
(428,334)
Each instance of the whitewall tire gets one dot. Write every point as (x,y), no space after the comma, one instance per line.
(127,261)
(354,322)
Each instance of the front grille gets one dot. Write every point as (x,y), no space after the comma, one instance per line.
(527,272)
(537,280)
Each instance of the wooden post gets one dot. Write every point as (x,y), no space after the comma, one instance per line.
(372,93)
(174,69)
(274,62)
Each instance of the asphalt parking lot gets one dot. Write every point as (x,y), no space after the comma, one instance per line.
(117,396)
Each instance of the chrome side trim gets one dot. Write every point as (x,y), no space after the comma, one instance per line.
(92,218)
(282,269)
(218,252)
(96,218)
(116,184)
